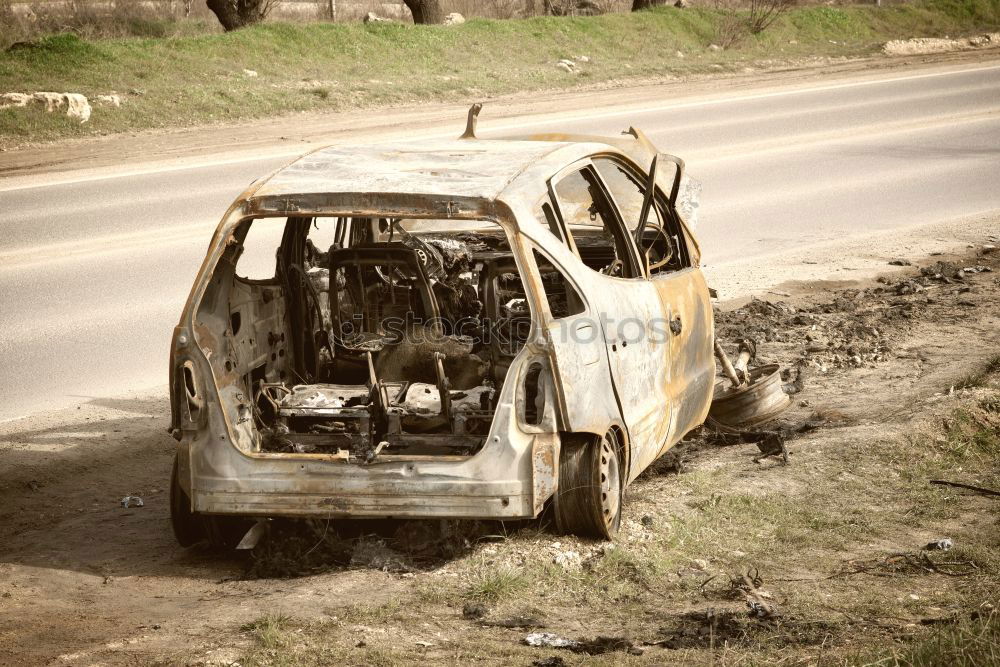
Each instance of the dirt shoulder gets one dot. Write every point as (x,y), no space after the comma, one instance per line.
(896,383)
(293,135)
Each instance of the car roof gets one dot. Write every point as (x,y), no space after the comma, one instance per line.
(478,168)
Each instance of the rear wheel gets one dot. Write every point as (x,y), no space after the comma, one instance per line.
(589,498)
(222,532)
(187,526)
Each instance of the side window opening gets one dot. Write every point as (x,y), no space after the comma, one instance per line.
(549,216)
(659,239)
(257,258)
(562,297)
(534,399)
(589,217)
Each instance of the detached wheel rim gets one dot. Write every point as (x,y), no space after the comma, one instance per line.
(610,483)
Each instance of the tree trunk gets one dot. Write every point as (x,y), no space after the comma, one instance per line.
(234,14)
(425,11)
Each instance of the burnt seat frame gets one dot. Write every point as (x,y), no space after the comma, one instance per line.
(387,256)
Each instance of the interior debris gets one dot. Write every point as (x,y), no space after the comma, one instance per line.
(393,341)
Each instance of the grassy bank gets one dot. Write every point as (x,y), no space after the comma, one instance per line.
(183,81)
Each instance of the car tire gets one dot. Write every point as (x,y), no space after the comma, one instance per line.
(188,528)
(588,501)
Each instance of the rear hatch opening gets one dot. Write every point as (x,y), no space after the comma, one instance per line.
(392,342)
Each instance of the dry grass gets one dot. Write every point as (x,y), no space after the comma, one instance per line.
(833,542)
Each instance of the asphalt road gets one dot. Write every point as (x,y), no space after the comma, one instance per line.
(93,274)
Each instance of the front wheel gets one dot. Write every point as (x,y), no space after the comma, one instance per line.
(588,501)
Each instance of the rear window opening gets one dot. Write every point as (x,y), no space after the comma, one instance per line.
(372,338)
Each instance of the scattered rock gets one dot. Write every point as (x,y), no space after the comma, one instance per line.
(647,521)
(568,559)
(250,74)
(943,544)
(714,47)
(679,54)
(922,45)
(582,59)
(597,646)
(372,17)
(113,100)
(567,66)
(900,262)
(14,100)
(549,640)
(454,19)
(132,501)
(76,104)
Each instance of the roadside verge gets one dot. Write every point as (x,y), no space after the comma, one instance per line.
(276,69)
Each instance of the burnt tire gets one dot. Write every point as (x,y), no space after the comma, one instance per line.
(188,528)
(588,502)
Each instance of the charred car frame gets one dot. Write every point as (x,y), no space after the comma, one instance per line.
(461,329)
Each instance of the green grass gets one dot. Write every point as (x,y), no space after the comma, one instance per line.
(182,80)
(270,631)
(966,643)
(491,583)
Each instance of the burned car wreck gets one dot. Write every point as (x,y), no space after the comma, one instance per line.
(456,329)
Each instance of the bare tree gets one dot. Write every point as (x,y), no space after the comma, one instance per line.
(425,11)
(234,14)
(751,17)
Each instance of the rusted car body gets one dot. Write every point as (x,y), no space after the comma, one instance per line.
(490,329)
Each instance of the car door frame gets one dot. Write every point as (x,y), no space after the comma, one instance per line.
(651,365)
(685,300)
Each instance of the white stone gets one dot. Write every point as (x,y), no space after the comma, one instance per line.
(77,106)
(14,100)
(113,100)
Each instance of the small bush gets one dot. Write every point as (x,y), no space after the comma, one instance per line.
(269,631)
(492,584)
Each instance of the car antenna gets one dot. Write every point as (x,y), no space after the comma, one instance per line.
(470,124)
